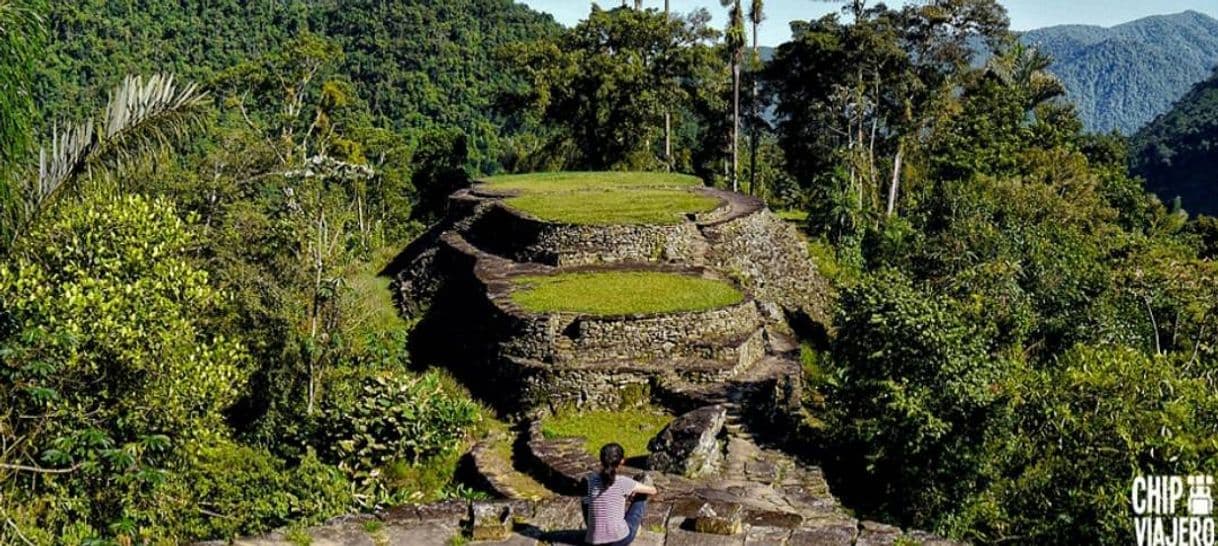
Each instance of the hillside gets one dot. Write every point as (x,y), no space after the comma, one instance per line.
(1177,153)
(1122,77)
(417,64)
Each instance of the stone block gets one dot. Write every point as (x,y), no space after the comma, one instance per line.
(766,536)
(449,511)
(873,533)
(681,533)
(689,445)
(490,521)
(720,519)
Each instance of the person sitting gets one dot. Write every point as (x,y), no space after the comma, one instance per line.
(607,496)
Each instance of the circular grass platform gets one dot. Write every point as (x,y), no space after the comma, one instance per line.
(614,206)
(591,180)
(613,293)
(604,198)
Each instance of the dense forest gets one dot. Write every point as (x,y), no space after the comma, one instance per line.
(1121,77)
(195,342)
(1177,153)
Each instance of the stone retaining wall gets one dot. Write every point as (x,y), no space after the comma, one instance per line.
(769,258)
(544,388)
(520,237)
(562,338)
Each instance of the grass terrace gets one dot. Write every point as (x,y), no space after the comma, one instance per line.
(614,206)
(584,181)
(604,198)
(610,293)
(632,428)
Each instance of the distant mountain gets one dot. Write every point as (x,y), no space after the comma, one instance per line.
(1177,153)
(1122,77)
(766,53)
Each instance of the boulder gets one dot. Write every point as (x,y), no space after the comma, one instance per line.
(689,445)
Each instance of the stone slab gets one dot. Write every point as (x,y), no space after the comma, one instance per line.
(425,534)
(825,532)
(766,536)
(680,533)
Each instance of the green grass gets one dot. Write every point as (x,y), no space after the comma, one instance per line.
(372,313)
(632,428)
(582,181)
(614,206)
(604,198)
(622,293)
(792,215)
(298,537)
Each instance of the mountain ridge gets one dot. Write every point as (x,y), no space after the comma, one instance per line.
(1122,76)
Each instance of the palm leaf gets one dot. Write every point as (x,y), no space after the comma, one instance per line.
(141,114)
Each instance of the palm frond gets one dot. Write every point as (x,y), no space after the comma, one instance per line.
(69,149)
(141,114)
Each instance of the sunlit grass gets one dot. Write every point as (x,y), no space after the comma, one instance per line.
(632,428)
(622,293)
(604,198)
(581,181)
(614,206)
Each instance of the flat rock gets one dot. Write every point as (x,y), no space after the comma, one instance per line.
(766,536)
(681,533)
(428,533)
(872,533)
(825,532)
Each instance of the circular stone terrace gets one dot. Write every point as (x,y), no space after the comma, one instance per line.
(584,218)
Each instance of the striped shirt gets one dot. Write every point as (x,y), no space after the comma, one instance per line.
(607,509)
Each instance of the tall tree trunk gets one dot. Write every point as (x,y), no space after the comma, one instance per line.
(753,132)
(667,118)
(896,179)
(736,124)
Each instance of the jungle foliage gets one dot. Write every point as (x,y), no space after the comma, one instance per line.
(194,342)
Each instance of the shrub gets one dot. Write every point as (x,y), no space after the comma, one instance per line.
(393,420)
(107,368)
(916,397)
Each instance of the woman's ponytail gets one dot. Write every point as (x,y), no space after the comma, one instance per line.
(611,457)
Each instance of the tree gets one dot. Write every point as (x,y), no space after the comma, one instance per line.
(734,41)
(100,412)
(756,16)
(142,114)
(635,64)
(854,100)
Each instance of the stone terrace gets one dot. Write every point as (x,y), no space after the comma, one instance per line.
(731,372)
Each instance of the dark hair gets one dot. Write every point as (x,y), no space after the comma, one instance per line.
(611,456)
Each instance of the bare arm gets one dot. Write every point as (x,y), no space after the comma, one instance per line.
(640,489)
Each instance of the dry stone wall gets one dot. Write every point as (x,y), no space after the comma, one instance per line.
(768,257)
(515,235)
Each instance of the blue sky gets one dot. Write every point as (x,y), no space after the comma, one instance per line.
(1025,14)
